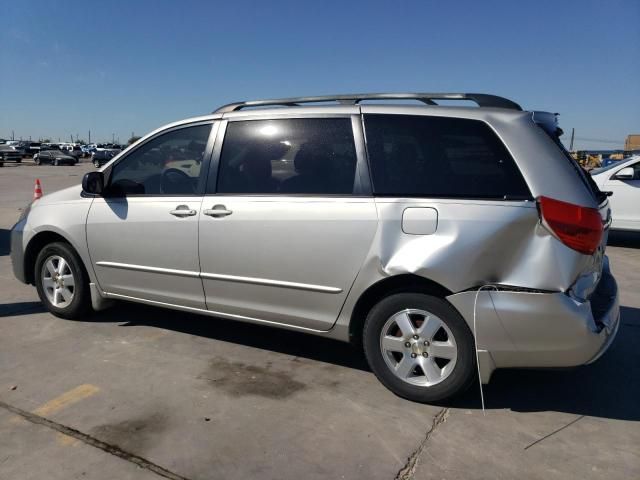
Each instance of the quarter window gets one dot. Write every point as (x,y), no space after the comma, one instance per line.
(440,157)
(288,156)
(170,164)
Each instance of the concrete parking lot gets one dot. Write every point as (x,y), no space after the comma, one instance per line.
(139,392)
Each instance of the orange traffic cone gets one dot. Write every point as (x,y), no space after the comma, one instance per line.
(37,190)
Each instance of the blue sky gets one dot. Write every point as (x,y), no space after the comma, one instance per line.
(120,66)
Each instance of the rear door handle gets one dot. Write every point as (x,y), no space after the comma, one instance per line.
(183,211)
(217,211)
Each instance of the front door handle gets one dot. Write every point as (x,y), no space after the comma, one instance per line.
(217,211)
(183,211)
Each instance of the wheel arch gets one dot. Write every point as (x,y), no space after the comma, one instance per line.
(383,288)
(36,244)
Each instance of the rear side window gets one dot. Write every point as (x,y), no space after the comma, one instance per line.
(440,157)
(314,156)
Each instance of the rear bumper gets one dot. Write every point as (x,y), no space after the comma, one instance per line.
(542,330)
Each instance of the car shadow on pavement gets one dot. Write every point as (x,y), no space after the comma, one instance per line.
(609,388)
(5,242)
(619,238)
(257,336)
(21,308)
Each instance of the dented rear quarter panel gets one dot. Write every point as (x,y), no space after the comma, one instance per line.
(476,243)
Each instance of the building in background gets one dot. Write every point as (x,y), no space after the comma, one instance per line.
(632,143)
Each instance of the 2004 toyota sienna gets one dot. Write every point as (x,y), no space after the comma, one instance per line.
(403,228)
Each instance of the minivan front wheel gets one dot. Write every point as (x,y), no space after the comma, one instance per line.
(419,347)
(61,281)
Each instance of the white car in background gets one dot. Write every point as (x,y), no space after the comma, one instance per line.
(623,180)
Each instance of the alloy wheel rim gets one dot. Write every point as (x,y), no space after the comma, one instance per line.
(418,347)
(58,281)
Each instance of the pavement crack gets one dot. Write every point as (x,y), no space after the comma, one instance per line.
(409,468)
(554,432)
(94,442)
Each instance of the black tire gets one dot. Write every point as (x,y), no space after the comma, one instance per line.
(56,163)
(96,164)
(464,370)
(80,304)
(19,160)
(37,161)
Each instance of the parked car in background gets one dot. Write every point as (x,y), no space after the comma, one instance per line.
(75,151)
(100,157)
(16,147)
(49,146)
(31,148)
(608,161)
(622,179)
(54,157)
(86,151)
(367,223)
(9,153)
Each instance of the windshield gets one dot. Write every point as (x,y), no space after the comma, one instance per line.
(595,171)
(615,164)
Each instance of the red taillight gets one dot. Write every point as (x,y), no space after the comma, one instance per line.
(577,227)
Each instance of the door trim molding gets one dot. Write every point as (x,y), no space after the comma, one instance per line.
(216,276)
(271,283)
(230,316)
(144,268)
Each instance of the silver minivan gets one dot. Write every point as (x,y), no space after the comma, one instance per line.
(447,241)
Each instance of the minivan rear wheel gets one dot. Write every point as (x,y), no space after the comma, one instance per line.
(419,347)
(61,281)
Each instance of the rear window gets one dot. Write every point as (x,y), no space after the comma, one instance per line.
(440,157)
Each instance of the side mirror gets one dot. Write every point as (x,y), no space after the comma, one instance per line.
(626,173)
(93,183)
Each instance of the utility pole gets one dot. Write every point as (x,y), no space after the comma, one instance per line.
(573,132)
(13,137)
(113,137)
(89,136)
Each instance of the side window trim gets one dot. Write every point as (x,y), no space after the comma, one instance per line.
(214,164)
(362,184)
(205,162)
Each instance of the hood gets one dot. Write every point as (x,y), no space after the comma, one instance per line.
(71,194)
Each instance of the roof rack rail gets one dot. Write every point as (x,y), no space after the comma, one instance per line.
(482,99)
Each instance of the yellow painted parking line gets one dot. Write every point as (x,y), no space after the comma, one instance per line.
(68,398)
